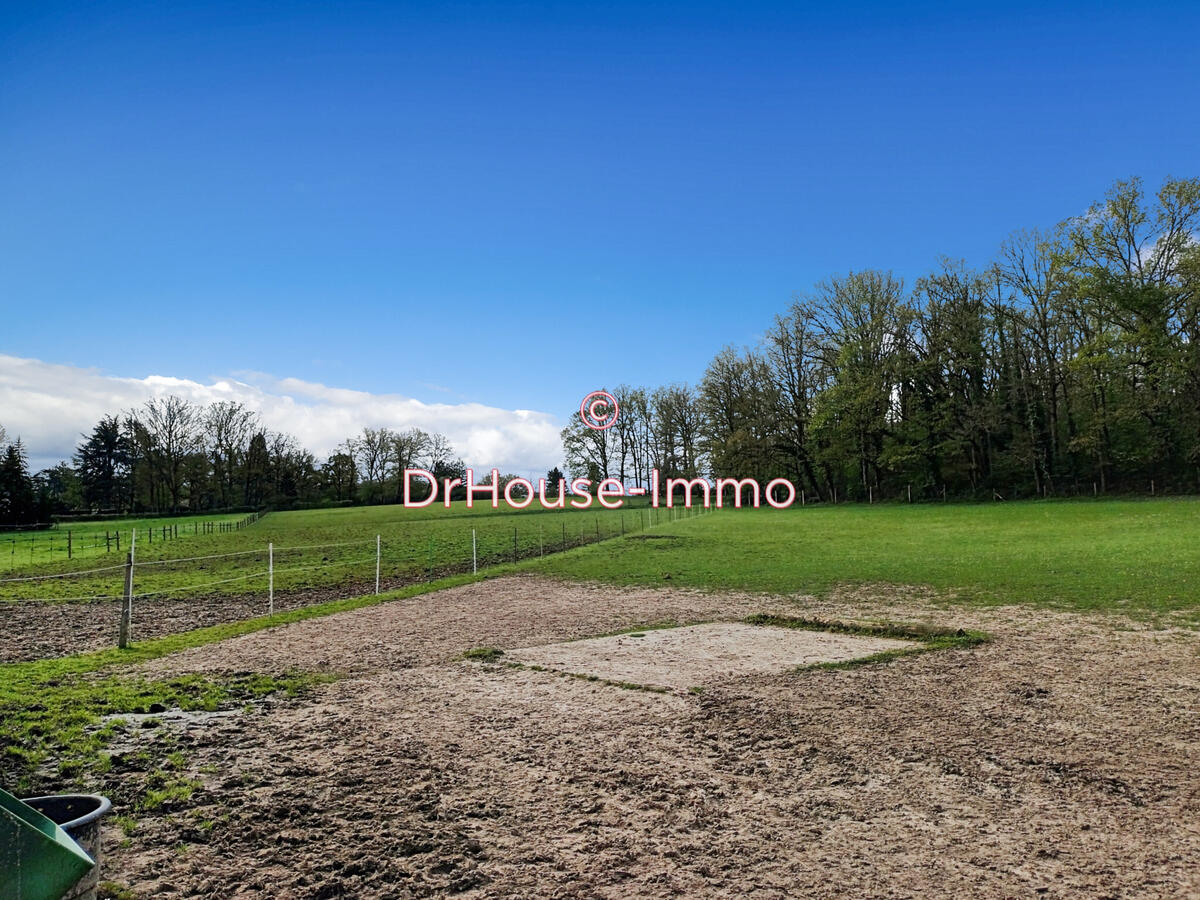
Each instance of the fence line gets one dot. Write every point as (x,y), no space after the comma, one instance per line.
(328,565)
(195,587)
(183,559)
(60,575)
(64,599)
(324,546)
(167,562)
(448,552)
(72,541)
(113,540)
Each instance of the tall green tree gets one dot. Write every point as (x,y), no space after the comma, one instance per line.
(18,504)
(103,463)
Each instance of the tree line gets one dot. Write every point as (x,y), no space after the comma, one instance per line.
(22,498)
(1069,364)
(171,455)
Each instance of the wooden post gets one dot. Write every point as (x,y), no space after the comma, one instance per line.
(68,543)
(126,621)
(910,493)
(270,579)
(515,551)
(126,603)
(378,555)
(564,542)
(474,553)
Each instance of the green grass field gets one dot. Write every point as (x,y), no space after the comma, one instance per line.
(321,548)
(96,539)
(1135,556)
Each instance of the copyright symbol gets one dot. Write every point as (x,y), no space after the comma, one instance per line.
(599,410)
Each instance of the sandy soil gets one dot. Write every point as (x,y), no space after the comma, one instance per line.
(699,655)
(1058,760)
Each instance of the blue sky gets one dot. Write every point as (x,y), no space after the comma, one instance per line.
(514,204)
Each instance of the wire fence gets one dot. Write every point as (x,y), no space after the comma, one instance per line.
(83,541)
(248,583)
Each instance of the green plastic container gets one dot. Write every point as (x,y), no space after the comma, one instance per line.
(38,861)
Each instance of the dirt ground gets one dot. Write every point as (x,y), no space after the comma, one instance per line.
(693,656)
(40,629)
(1059,760)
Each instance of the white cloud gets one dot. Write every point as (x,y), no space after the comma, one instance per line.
(48,406)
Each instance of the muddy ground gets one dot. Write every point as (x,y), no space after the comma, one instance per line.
(40,629)
(1059,760)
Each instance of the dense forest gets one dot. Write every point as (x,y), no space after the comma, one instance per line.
(1069,365)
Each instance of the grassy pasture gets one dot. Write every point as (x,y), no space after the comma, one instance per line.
(1136,556)
(1139,557)
(323,548)
(20,550)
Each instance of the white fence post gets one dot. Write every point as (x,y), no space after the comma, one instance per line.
(378,546)
(474,555)
(270,579)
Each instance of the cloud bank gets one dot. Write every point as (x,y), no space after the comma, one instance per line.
(48,406)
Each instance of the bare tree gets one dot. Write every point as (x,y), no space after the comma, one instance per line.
(589,451)
(407,448)
(439,455)
(228,427)
(171,427)
(372,451)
